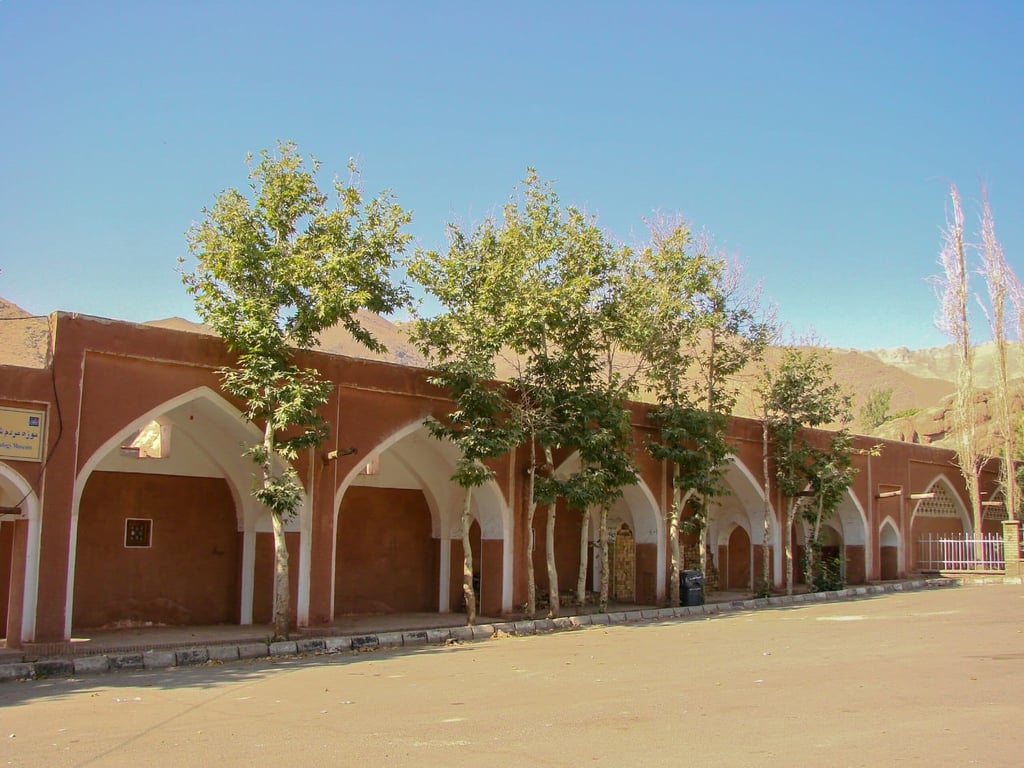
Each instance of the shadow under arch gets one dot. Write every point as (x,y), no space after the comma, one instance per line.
(890,541)
(744,506)
(411,457)
(15,489)
(213,432)
(850,523)
(638,508)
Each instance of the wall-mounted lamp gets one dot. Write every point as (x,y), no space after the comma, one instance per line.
(337,454)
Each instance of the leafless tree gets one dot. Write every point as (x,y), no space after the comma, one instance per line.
(953,319)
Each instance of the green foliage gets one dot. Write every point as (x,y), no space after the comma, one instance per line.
(906,413)
(543,288)
(539,286)
(874,411)
(799,394)
(826,573)
(274,270)
(706,332)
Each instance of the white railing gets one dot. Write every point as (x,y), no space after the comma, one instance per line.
(960,552)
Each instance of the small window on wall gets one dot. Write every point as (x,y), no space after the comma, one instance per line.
(138,533)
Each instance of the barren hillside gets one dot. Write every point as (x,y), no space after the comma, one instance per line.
(24,338)
(921,380)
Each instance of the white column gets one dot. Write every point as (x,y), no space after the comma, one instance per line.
(443,591)
(248,571)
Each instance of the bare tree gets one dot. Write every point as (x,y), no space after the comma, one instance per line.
(1004,294)
(953,319)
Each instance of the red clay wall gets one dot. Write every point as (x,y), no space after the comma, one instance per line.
(889,566)
(456,598)
(855,568)
(568,525)
(190,573)
(646,574)
(387,558)
(758,572)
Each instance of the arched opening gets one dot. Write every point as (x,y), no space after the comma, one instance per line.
(638,510)
(457,598)
(19,557)
(156,549)
(888,551)
(939,520)
(736,559)
(743,506)
(398,532)
(387,558)
(166,532)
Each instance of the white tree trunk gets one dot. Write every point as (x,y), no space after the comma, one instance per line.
(549,546)
(605,565)
(673,540)
(531,509)
(766,537)
(581,579)
(282,594)
(790,517)
(467,561)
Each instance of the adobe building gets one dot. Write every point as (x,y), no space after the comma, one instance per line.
(125,500)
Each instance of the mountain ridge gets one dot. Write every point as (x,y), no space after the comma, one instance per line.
(922,381)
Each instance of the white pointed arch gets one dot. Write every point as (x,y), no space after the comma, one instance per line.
(213,433)
(744,506)
(947,502)
(637,508)
(889,533)
(411,457)
(16,490)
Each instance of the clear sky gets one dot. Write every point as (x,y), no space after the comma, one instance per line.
(815,140)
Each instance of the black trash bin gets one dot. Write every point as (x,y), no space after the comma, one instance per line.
(691,588)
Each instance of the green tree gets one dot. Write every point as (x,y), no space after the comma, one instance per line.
(525,289)
(830,477)
(798,395)
(874,411)
(461,343)
(272,271)
(709,329)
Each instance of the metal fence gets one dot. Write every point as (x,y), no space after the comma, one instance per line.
(961,552)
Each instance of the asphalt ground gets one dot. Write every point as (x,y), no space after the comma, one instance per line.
(925,678)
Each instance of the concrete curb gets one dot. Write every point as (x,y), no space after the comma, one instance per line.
(219,654)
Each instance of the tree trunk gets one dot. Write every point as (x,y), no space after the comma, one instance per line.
(581,579)
(605,565)
(282,596)
(766,538)
(790,517)
(549,545)
(282,593)
(467,562)
(673,539)
(531,509)
(811,550)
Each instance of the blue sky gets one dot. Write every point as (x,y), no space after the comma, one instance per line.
(815,140)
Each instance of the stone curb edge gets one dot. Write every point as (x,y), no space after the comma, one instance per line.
(219,654)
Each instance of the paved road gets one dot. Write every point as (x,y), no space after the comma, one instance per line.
(932,678)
